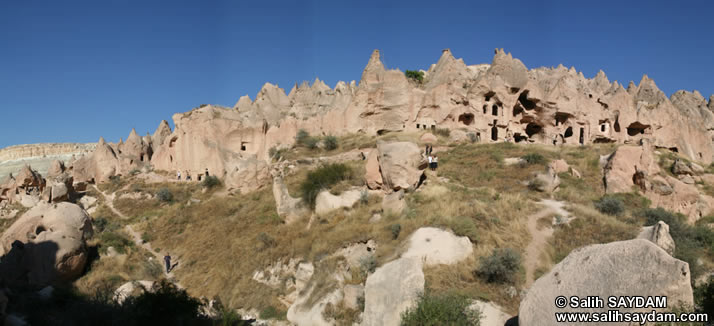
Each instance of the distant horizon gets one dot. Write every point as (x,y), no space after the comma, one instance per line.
(87,70)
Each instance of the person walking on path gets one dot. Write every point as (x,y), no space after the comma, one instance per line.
(167,260)
(178,175)
(436,162)
(431,162)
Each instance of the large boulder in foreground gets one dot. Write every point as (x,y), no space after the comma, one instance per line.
(46,244)
(626,268)
(400,164)
(390,290)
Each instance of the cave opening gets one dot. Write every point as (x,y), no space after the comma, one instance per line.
(528,104)
(636,128)
(519,138)
(466,118)
(568,132)
(616,126)
(494,110)
(494,133)
(485,108)
(517,109)
(488,96)
(533,128)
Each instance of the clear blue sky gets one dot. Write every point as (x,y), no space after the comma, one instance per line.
(71,71)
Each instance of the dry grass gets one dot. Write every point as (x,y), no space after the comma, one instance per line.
(590,227)
(136,264)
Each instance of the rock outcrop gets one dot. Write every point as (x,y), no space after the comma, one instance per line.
(327,202)
(400,164)
(626,268)
(659,235)
(435,246)
(46,244)
(392,289)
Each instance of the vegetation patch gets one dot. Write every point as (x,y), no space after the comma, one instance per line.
(441,309)
(323,178)
(501,266)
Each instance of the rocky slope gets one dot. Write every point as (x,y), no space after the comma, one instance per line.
(39,156)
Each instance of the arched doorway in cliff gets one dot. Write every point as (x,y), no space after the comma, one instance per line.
(568,132)
(582,136)
(494,131)
(494,110)
(636,128)
(466,118)
(561,118)
(533,128)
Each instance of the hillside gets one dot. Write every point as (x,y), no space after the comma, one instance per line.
(319,206)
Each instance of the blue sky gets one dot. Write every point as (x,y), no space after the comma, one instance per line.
(72,71)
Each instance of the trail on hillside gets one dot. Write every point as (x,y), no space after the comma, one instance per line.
(136,237)
(109,200)
(539,238)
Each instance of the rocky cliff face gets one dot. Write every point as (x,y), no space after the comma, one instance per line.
(39,156)
(503,101)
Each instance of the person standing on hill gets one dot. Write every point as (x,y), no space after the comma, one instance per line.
(436,162)
(431,162)
(178,175)
(206,172)
(167,260)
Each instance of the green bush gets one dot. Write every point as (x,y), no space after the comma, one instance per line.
(116,240)
(610,205)
(533,158)
(270,312)
(704,297)
(167,305)
(164,195)
(395,229)
(301,136)
(276,153)
(210,182)
(312,142)
(99,224)
(266,240)
(368,264)
(323,178)
(500,267)
(445,132)
(415,75)
(330,143)
(465,227)
(445,309)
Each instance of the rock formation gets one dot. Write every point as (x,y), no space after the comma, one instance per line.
(626,268)
(492,103)
(392,289)
(46,244)
(659,235)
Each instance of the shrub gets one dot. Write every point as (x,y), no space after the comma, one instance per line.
(533,158)
(210,182)
(164,195)
(168,305)
(465,227)
(266,240)
(415,75)
(610,205)
(536,185)
(330,143)
(323,178)
(500,267)
(364,197)
(445,132)
(368,264)
(116,240)
(445,309)
(301,137)
(276,153)
(472,137)
(270,312)
(312,142)
(395,229)
(99,224)
(704,297)
(134,172)
(146,237)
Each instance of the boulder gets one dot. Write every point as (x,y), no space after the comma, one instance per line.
(132,288)
(400,164)
(373,175)
(680,167)
(659,235)
(289,208)
(559,166)
(428,138)
(392,289)
(46,244)
(626,268)
(436,246)
(327,202)
(491,314)
(394,203)
(622,166)
(56,168)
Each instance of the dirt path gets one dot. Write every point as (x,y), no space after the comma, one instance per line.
(136,237)
(109,200)
(540,237)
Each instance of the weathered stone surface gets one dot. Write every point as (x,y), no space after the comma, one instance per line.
(132,288)
(352,295)
(659,235)
(327,202)
(681,167)
(491,314)
(394,203)
(559,166)
(428,138)
(373,175)
(392,289)
(400,163)
(627,268)
(436,246)
(289,208)
(46,244)
(548,181)
(624,164)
